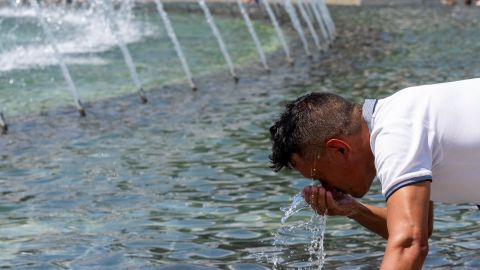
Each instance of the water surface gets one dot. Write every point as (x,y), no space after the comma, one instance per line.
(183,182)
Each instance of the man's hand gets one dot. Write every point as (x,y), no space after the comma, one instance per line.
(334,203)
(371,217)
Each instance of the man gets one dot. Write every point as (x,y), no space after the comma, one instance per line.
(423,144)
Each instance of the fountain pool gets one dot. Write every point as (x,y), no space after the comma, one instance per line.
(183,182)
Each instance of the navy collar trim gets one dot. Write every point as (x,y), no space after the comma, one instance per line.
(367,111)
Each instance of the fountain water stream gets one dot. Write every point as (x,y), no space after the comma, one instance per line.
(72,17)
(123,47)
(329,16)
(251,29)
(3,124)
(326,17)
(59,57)
(218,36)
(176,43)
(307,20)
(278,30)
(320,22)
(296,25)
(311,15)
(309,11)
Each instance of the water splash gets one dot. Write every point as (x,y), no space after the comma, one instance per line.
(77,32)
(310,233)
(298,204)
(316,250)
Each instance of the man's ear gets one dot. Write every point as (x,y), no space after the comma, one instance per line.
(339,148)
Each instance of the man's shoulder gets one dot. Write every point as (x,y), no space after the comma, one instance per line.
(446,88)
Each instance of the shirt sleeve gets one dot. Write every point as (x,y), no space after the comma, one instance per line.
(403,155)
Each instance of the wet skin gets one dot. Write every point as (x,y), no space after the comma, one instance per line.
(346,168)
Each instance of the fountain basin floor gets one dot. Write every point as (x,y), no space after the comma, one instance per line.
(183,181)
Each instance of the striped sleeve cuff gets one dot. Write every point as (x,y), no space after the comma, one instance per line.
(407,182)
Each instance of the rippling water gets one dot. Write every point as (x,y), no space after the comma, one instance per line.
(183,182)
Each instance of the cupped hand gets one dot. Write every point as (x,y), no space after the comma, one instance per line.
(332,203)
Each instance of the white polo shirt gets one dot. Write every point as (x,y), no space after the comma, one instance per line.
(429,133)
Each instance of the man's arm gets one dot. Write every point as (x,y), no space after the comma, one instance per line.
(408,214)
(375,219)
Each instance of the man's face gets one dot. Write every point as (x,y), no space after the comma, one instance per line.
(336,172)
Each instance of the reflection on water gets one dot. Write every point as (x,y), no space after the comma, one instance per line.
(184,183)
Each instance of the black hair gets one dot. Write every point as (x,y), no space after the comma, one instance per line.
(310,120)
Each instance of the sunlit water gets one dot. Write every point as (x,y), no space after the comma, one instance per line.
(183,182)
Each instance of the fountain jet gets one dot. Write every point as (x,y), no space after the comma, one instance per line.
(114,29)
(307,20)
(176,43)
(320,22)
(251,29)
(296,24)
(278,30)
(327,18)
(3,124)
(218,36)
(59,57)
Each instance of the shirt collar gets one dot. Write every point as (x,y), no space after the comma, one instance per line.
(367,111)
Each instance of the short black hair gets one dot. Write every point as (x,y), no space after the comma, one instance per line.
(310,120)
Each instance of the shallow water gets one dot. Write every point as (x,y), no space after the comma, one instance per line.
(183,182)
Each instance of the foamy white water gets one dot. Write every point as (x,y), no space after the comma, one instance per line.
(79,34)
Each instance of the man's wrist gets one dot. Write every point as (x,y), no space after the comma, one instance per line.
(356,210)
